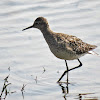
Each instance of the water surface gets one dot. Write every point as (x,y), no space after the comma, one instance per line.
(27,54)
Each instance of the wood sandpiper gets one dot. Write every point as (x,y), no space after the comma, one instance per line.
(63,46)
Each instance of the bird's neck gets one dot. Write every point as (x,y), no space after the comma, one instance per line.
(46,31)
(48,34)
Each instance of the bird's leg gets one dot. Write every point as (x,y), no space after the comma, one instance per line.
(64,72)
(66,65)
(70,70)
(77,66)
(67,70)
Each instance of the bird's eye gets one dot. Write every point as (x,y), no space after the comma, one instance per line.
(37,22)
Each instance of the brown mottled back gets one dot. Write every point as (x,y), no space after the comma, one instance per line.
(74,43)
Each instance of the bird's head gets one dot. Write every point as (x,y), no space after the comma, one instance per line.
(39,23)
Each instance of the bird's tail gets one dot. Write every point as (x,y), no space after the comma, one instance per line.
(93,53)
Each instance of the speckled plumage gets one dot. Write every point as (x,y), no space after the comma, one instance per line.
(63,46)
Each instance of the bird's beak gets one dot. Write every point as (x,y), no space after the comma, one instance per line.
(28,27)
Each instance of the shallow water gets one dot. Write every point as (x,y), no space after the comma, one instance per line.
(27,54)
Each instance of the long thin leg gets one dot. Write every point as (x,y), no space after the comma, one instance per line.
(67,70)
(70,70)
(77,66)
(66,65)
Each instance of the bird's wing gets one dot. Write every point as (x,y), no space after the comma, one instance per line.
(74,44)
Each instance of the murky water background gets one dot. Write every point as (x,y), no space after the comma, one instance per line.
(27,54)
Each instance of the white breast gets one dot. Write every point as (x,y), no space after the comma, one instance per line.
(64,54)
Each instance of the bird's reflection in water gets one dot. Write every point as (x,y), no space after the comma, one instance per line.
(81,96)
(64,87)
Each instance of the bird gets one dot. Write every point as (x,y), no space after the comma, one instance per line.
(63,46)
